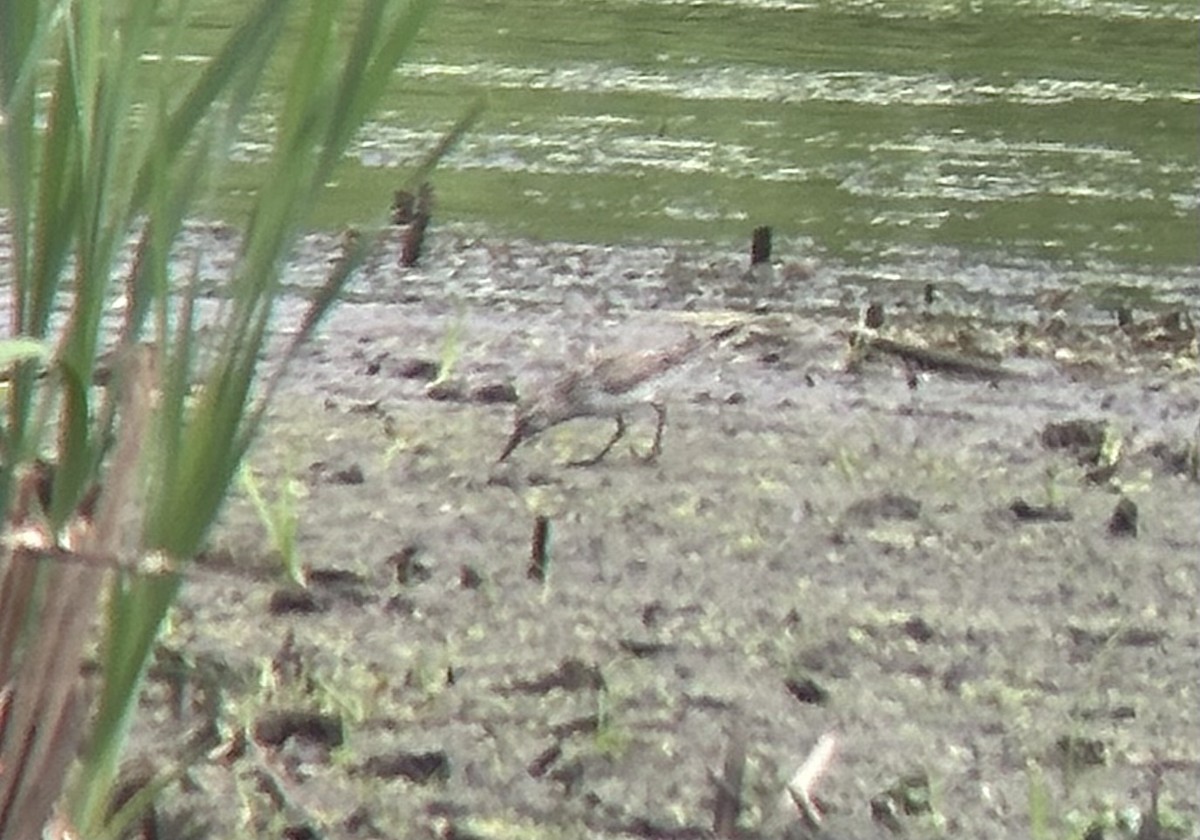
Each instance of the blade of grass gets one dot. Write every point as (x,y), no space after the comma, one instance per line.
(237,66)
(84,179)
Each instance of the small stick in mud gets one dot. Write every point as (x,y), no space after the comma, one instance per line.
(925,358)
(727,805)
(539,560)
(804,782)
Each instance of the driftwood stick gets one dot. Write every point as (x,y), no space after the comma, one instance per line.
(942,360)
(804,782)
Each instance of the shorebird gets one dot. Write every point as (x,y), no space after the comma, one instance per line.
(609,387)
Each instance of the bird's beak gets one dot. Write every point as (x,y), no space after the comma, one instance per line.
(514,441)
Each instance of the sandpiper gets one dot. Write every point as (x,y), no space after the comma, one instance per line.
(609,387)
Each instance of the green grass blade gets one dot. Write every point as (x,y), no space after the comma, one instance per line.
(237,65)
(368,71)
(448,141)
(136,607)
(80,184)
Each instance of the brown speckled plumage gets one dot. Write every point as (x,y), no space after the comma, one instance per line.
(608,387)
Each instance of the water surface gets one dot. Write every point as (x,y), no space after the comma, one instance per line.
(1053,130)
(1047,139)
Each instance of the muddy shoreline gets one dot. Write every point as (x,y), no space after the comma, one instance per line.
(821,548)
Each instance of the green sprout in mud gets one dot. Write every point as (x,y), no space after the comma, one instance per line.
(1110,447)
(1191,455)
(610,739)
(848,464)
(346,693)
(1103,818)
(397,441)
(428,675)
(350,692)
(451,350)
(1050,487)
(1039,804)
(280,518)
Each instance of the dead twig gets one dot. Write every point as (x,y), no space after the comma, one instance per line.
(728,805)
(944,361)
(804,782)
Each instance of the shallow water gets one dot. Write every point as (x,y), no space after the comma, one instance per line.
(998,149)
(1059,131)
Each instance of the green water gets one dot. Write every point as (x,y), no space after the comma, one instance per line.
(1053,130)
(1063,130)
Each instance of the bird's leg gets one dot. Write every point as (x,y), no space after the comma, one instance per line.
(595,459)
(655,448)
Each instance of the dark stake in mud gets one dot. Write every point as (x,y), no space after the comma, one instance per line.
(416,214)
(760,245)
(873,316)
(727,804)
(539,559)
(1124,520)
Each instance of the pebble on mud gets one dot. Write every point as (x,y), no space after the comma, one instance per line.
(469,577)
(1124,519)
(493,393)
(352,474)
(273,728)
(447,391)
(807,690)
(1083,438)
(1078,751)
(1023,511)
(294,600)
(426,369)
(417,767)
(408,568)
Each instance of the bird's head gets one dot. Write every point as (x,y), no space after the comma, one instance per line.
(529,420)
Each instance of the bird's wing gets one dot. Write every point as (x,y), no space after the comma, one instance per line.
(618,374)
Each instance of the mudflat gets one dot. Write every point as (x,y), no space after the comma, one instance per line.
(984,587)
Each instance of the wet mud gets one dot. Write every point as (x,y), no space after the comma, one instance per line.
(985,587)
